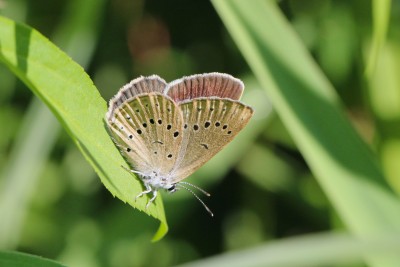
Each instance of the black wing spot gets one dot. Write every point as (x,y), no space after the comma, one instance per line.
(207,124)
(158,142)
(196,127)
(155,152)
(225,126)
(137,111)
(204,145)
(229,132)
(130,136)
(159,121)
(128,117)
(152,121)
(122,127)
(168,109)
(128,149)
(217,124)
(211,109)
(185,126)
(169,156)
(144,125)
(176,134)
(169,126)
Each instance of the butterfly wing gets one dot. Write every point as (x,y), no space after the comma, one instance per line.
(148,131)
(138,86)
(205,85)
(209,125)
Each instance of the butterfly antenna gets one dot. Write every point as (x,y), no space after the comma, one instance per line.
(128,170)
(198,188)
(194,194)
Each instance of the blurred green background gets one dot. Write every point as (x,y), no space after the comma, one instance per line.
(51,202)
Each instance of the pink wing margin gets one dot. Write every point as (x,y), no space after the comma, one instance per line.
(205,85)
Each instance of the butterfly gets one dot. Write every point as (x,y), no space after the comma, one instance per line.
(166,131)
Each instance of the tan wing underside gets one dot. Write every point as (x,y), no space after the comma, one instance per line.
(138,86)
(148,130)
(211,124)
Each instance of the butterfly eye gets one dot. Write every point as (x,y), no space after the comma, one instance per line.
(172,189)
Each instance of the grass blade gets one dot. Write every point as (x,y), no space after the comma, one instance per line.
(325,249)
(306,102)
(381,18)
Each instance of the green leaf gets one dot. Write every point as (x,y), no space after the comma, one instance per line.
(17,259)
(381,18)
(68,91)
(324,249)
(307,104)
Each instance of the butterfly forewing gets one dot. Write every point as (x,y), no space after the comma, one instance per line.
(209,124)
(148,129)
(205,85)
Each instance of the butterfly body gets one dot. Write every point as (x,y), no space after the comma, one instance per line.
(167,131)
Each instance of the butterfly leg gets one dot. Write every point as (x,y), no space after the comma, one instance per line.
(148,190)
(152,199)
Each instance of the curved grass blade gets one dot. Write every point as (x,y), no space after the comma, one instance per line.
(68,91)
(381,19)
(307,104)
(324,249)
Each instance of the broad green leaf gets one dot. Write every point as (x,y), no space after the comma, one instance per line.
(39,128)
(18,259)
(70,94)
(307,104)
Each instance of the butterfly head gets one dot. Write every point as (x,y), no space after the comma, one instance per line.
(157,181)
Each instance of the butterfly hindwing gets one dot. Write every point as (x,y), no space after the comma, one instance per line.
(148,130)
(138,86)
(209,124)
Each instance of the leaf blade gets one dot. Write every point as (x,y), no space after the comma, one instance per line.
(68,91)
(306,102)
(18,259)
